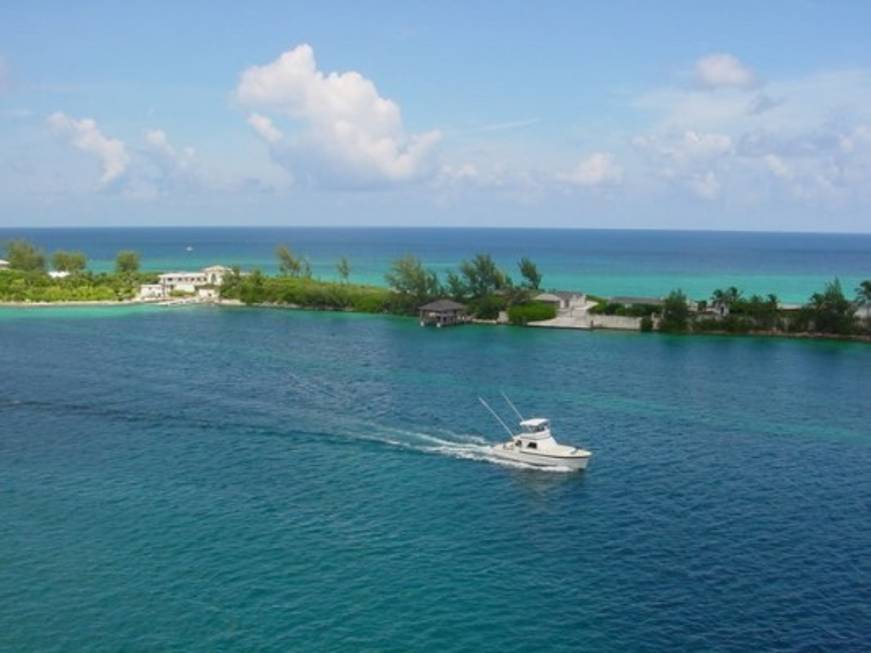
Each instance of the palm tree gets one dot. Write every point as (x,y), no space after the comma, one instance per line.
(722,300)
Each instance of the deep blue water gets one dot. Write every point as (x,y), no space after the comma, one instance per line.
(207,479)
(604,262)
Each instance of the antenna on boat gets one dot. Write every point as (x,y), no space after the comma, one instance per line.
(498,419)
(513,407)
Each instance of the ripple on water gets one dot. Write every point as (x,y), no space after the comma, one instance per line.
(222,480)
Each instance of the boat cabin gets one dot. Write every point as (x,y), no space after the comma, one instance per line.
(532,432)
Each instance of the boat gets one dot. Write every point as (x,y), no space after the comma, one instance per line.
(535,445)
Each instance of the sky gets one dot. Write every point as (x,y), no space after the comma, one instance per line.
(673,115)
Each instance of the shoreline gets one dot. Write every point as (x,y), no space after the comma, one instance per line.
(235,303)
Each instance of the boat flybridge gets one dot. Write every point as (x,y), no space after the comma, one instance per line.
(535,444)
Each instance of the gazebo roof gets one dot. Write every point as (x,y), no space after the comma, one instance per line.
(443,305)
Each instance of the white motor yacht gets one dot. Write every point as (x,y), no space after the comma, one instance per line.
(535,445)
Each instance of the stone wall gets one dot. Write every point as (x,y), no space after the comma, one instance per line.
(615,322)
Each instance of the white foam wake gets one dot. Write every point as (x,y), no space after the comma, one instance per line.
(466,447)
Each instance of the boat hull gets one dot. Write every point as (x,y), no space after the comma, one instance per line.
(573,462)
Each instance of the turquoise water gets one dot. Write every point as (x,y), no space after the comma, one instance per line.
(604,262)
(208,479)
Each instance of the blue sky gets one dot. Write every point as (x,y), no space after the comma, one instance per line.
(619,114)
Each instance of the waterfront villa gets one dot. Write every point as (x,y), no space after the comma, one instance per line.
(58,274)
(201,283)
(186,282)
(442,312)
(4,264)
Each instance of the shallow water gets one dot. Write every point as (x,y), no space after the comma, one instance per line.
(241,479)
(598,261)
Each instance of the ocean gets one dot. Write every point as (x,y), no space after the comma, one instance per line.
(600,262)
(236,479)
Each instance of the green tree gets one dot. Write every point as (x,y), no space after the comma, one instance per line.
(408,277)
(455,286)
(863,299)
(290,265)
(726,297)
(69,261)
(23,255)
(251,288)
(343,267)
(675,312)
(482,276)
(127,262)
(762,311)
(529,271)
(305,268)
(830,311)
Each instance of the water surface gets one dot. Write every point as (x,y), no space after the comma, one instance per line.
(238,479)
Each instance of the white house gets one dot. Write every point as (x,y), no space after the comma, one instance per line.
(58,274)
(151,291)
(4,265)
(182,281)
(215,274)
(186,282)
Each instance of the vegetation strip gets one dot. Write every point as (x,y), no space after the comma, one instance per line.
(479,284)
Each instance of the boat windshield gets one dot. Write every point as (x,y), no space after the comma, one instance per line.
(536,428)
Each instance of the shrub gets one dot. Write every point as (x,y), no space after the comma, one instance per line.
(531,312)
(675,312)
(488,308)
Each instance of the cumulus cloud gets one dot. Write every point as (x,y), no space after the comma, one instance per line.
(86,136)
(723,71)
(598,169)
(351,134)
(687,148)
(164,167)
(690,159)
(264,127)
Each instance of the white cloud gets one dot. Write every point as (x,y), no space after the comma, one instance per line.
(598,169)
(264,127)
(86,136)
(158,143)
(352,135)
(705,185)
(723,71)
(685,149)
(777,166)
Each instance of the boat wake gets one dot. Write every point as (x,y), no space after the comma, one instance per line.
(454,445)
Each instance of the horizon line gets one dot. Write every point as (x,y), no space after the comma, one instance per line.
(440,227)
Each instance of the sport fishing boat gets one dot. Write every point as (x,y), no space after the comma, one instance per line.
(535,444)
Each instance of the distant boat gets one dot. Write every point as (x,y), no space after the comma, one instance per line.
(535,444)
(189,248)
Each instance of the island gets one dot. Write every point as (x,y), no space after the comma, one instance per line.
(478,291)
